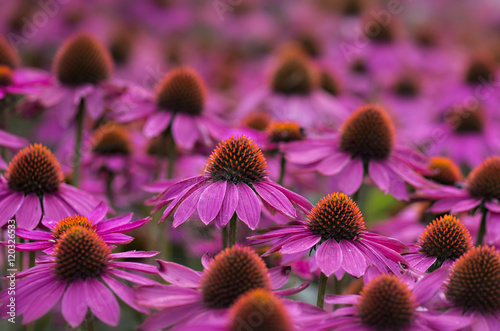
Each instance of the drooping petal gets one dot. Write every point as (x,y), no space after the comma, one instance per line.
(42,300)
(210,201)
(465,205)
(74,306)
(161,296)
(123,292)
(378,173)
(300,243)
(102,302)
(168,317)
(275,198)
(279,276)
(333,164)
(29,214)
(329,257)
(55,208)
(9,205)
(248,208)
(178,274)
(228,206)
(354,262)
(184,131)
(156,124)
(349,179)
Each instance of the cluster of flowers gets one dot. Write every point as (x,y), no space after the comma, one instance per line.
(263,152)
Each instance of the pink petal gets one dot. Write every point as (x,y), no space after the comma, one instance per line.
(184,131)
(42,300)
(101,302)
(169,317)
(94,103)
(301,243)
(29,214)
(228,206)
(465,205)
(123,292)
(275,198)
(166,296)
(248,208)
(178,274)
(156,124)
(9,205)
(329,257)
(349,179)
(354,262)
(56,209)
(74,307)
(445,205)
(98,213)
(187,207)
(333,164)
(378,173)
(210,201)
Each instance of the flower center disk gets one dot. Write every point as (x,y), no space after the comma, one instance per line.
(406,88)
(284,132)
(445,238)
(445,171)
(80,254)
(6,76)
(237,159)
(466,119)
(474,283)
(294,75)
(260,310)
(480,71)
(8,56)
(386,304)
(34,170)
(82,60)
(368,133)
(111,139)
(484,181)
(182,91)
(233,272)
(76,220)
(336,216)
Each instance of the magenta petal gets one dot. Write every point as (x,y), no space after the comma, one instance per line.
(187,207)
(465,205)
(329,257)
(9,205)
(333,164)
(275,198)
(161,296)
(98,213)
(492,228)
(156,124)
(445,205)
(133,254)
(102,302)
(42,300)
(248,208)
(33,246)
(33,234)
(378,173)
(279,276)
(293,290)
(492,205)
(123,292)
(11,141)
(347,299)
(95,103)
(169,317)
(228,206)
(184,131)
(354,262)
(349,179)
(430,284)
(74,307)
(210,201)
(300,243)
(178,274)
(54,208)
(29,214)
(134,278)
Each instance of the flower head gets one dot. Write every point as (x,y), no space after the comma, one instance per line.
(111,139)
(484,181)
(284,132)
(8,56)
(294,75)
(444,171)
(6,76)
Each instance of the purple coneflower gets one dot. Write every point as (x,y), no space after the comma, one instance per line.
(231,274)
(235,182)
(110,230)
(294,94)
(479,192)
(262,310)
(389,303)
(336,229)
(366,141)
(442,242)
(75,274)
(33,186)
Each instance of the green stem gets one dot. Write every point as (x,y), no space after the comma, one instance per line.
(78,143)
(321,290)
(282,169)
(232,230)
(89,321)
(482,230)
(171,152)
(109,188)
(224,237)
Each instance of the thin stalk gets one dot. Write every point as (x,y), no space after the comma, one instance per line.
(109,188)
(282,170)
(224,237)
(321,290)
(482,230)
(170,152)
(77,156)
(232,230)
(89,321)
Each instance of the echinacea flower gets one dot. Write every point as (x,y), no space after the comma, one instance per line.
(480,191)
(180,105)
(294,94)
(12,142)
(442,242)
(111,230)
(336,229)
(76,274)
(260,309)
(444,171)
(33,186)
(82,69)
(235,180)
(470,288)
(389,303)
(191,294)
(366,141)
